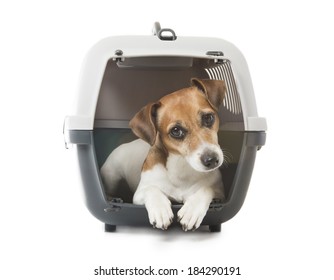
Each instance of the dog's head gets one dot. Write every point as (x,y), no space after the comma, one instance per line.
(186,123)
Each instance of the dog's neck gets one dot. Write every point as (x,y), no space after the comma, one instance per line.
(180,172)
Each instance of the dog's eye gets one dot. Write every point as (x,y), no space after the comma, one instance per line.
(208,120)
(177,132)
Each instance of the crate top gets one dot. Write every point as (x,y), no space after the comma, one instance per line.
(122,47)
(132,46)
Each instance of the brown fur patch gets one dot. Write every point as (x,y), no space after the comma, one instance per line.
(184,108)
(157,154)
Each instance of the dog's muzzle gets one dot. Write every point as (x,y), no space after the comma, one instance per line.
(206,158)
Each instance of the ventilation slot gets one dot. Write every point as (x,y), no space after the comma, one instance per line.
(224,72)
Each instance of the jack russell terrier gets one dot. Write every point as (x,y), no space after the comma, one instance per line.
(176,158)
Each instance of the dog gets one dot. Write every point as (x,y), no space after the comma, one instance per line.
(176,157)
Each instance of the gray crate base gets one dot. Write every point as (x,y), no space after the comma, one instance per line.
(118,213)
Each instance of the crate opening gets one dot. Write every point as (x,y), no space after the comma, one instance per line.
(125,90)
(107,139)
(130,84)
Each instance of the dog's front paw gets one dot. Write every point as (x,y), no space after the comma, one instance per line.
(160,212)
(191,214)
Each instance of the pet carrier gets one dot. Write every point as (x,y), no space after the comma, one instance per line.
(122,74)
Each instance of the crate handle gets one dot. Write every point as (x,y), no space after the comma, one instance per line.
(158,31)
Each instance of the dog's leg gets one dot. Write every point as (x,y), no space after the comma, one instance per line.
(157,204)
(194,209)
(197,204)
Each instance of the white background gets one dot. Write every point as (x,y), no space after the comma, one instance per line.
(285,228)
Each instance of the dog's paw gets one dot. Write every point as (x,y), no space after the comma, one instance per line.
(160,212)
(191,215)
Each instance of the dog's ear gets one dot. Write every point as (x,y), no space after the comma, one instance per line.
(213,89)
(143,124)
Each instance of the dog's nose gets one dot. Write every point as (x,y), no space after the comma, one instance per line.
(210,160)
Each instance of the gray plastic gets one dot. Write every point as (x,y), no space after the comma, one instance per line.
(117,212)
(158,31)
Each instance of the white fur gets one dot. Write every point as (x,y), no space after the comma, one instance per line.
(125,162)
(177,181)
(194,159)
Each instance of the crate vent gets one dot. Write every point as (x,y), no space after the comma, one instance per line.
(224,72)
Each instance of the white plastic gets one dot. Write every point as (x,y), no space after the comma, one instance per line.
(96,60)
(256,124)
